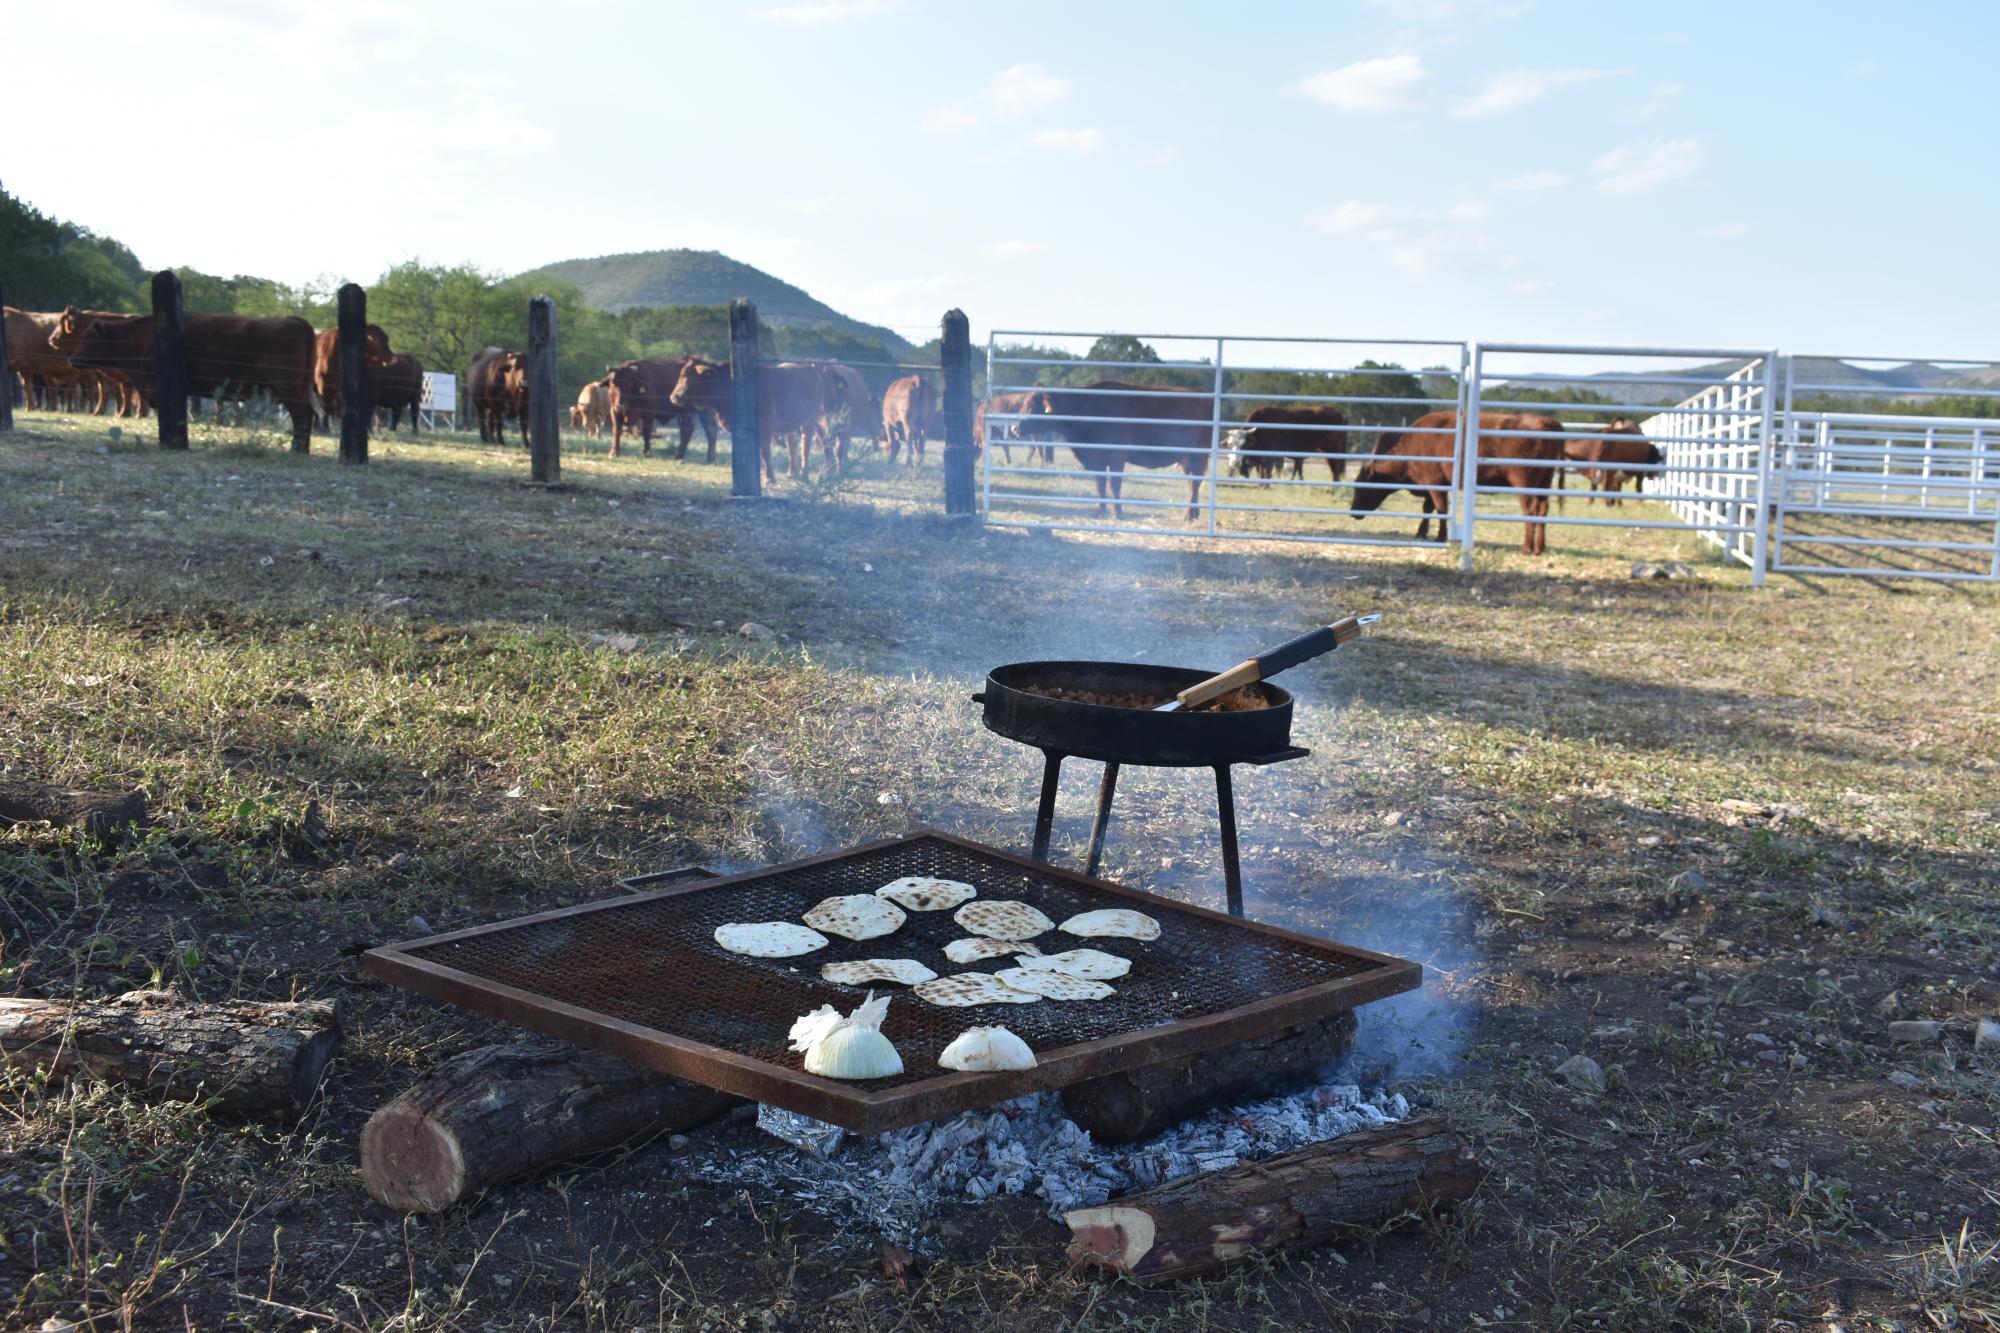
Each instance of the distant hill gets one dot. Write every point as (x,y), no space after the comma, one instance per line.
(1819,370)
(701,277)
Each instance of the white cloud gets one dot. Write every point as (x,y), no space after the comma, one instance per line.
(1470,210)
(1662,94)
(1020,88)
(1013,249)
(1013,91)
(1530,181)
(1355,216)
(1515,88)
(811,13)
(1726,231)
(810,207)
(1638,168)
(1529,286)
(1069,141)
(1388,83)
(1450,11)
(1164,156)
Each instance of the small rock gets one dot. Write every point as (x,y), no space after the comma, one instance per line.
(1914,1030)
(1771,1057)
(867,568)
(1393,818)
(1619,1032)
(1690,881)
(678,1141)
(1892,1003)
(1931,1108)
(1650,840)
(1700,1001)
(267,560)
(417,925)
(1582,1073)
(102,449)
(1754,809)
(1905,1080)
(622,643)
(1759,1039)
(1987,1038)
(1675,569)
(1623,933)
(1642,570)
(889,798)
(750,629)
(1781,1164)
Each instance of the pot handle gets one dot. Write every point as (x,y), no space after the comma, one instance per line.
(979,698)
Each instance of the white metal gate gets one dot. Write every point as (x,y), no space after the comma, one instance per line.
(1759,454)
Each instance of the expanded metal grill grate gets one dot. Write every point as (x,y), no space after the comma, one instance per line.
(643,976)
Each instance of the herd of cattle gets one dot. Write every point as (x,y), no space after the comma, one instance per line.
(91,360)
(1109,425)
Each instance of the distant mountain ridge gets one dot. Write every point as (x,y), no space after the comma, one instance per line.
(614,283)
(1815,370)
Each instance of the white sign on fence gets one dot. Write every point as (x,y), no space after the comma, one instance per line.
(440,392)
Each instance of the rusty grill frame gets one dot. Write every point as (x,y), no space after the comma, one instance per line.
(924,1094)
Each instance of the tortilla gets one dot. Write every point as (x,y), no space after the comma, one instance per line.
(977,948)
(1121,922)
(1054,985)
(768,939)
(907,971)
(962,989)
(1002,919)
(922,893)
(856,916)
(1092,963)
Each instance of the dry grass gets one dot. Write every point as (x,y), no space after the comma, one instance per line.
(504,697)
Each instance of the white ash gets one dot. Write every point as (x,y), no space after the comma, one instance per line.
(1029,1147)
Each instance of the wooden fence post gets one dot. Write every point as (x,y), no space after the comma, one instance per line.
(357,402)
(746,433)
(6,376)
(170,381)
(544,425)
(955,359)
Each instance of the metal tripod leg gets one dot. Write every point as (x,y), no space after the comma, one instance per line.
(1232,868)
(1045,813)
(1104,793)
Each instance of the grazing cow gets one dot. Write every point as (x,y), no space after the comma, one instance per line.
(789,398)
(1009,403)
(1181,437)
(1300,437)
(1420,460)
(909,414)
(1604,456)
(593,408)
(39,354)
(496,383)
(273,356)
(639,394)
(398,387)
(326,366)
(64,331)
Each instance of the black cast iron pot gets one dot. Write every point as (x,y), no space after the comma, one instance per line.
(1133,735)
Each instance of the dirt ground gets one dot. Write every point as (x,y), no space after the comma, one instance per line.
(1716,839)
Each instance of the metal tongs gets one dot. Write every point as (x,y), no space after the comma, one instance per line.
(1302,649)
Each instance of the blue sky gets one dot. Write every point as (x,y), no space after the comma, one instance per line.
(1812,176)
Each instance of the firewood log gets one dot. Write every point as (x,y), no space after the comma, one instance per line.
(500,1112)
(1200,1223)
(245,1057)
(1138,1103)
(102,814)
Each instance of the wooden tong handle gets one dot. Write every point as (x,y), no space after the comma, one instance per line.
(1302,649)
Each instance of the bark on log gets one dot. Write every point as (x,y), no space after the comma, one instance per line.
(1201,1223)
(244,1057)
(1119,1108)
(500,1112)
(102,814)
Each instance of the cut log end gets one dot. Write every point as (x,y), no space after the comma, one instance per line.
(414,1163)
(1109,1236)
(101,814)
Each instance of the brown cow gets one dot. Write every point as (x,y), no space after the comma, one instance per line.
(593,408)
(1010,431)
(909,413)
(326,365)
(850,408)
(65,330)
(1304,428)
(1604,455)
(273,356)
(789,398)
(639,394)
(1182,437)
(1420,459)
(496,383)
(398,387)
(39,354)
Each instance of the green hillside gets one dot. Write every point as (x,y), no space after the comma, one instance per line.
(615,283)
